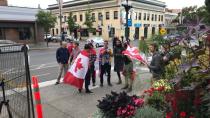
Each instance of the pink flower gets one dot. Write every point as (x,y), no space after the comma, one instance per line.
(139,102)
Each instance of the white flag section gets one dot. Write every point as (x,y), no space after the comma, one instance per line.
(133,53)
(76,74)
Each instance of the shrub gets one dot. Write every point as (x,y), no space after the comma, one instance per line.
(119,105)
(148,112)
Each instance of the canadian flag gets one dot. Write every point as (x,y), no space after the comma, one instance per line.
(133,53)
(76,74)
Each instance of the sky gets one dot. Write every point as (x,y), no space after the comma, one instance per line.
(172,4)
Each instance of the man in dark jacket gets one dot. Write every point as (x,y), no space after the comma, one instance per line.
(155,66)
(62,56)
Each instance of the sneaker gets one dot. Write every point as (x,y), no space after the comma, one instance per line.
(120,82)
(80,90)
(109,84)
(57,83)
(94,84)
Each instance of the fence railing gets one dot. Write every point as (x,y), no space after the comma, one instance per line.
(16,100)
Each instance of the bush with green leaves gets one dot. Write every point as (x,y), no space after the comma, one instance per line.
(148,112)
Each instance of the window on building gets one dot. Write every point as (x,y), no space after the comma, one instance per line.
(84,33)
(94,32)
(94,17)
(81,17)
(162,18)
(75,18)
(56,30)
(24,34)
(136,15)
(145,16)
(148,17)
(65,19)
(112,32)
(100,17)
(100,31)
(152,17)
(115,14)
(155,17)
(139,16)
(159,18)
(107,16)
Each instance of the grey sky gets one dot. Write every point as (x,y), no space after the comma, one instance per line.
(176,4)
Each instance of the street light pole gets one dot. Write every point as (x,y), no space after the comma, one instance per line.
(60,14)
(127,9)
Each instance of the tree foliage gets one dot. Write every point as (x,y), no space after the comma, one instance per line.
(46,19)
(71,23)
(89,20)
(193,13)
(207,2)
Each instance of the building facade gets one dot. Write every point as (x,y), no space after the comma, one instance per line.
(3,3)
(145,18)
(19,25)
(170,16)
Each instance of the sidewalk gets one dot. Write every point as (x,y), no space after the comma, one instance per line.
(43,46)
(64,101)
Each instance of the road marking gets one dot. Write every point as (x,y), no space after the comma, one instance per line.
(44,63)
(44,67)
(42,75)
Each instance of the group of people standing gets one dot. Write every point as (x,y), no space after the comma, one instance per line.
(66,55)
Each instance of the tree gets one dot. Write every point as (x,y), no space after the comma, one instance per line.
(47,20)
(207,2)
(89,20)
(192,14)
(71,23)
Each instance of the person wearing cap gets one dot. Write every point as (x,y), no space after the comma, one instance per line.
(75,51)
(62,56)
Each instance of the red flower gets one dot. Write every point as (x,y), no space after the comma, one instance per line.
(169,115)
(183,114)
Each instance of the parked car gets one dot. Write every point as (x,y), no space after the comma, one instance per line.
(8,46)
(56,38)
(48,36)
(97,41)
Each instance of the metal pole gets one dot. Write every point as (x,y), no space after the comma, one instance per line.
(60,14)
(126,28)
(28,86)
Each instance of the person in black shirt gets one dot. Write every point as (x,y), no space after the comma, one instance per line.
(156,66)
(62,56)
(118,59)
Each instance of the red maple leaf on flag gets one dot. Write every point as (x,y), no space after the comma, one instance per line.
(78,65)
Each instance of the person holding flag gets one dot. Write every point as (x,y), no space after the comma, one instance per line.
(78,72)
(129,54)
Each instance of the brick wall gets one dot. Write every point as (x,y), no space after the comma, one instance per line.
(3,3)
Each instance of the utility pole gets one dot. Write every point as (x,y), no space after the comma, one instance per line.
(127,9)
(60,14)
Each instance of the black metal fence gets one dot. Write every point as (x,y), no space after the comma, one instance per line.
(16,100)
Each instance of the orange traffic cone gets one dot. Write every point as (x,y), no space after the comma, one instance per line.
(37,97)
